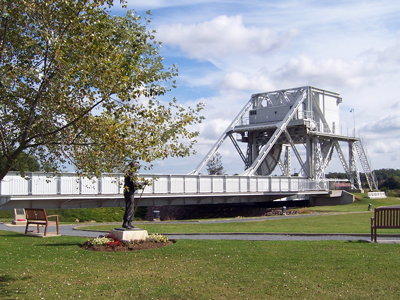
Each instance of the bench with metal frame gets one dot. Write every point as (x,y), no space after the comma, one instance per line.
(385,217)
(39,217)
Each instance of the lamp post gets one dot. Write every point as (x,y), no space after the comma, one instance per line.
(354,121)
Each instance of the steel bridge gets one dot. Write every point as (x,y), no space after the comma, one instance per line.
(278,121)
(71,191)
(271,124)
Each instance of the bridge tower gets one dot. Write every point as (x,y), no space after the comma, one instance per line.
(274,124)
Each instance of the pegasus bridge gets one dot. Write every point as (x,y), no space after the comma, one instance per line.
(272,125)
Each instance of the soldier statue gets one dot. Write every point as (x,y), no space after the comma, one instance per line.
(130,186)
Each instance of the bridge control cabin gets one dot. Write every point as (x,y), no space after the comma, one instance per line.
(320,112)
(273,124)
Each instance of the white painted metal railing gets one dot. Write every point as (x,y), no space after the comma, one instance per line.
(71,184)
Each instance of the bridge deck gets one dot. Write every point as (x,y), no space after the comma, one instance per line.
(71,191)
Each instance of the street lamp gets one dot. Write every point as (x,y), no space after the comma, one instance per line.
(354,121)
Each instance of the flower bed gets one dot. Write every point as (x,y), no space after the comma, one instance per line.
(112,244)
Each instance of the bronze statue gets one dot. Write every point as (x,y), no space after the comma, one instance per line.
(130,186)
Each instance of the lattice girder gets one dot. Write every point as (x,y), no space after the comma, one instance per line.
(271,121)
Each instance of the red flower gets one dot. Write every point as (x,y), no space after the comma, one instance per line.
(114,243)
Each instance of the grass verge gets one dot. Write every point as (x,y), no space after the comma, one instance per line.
(338,223)
(351,218)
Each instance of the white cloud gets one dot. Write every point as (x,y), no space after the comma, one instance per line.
(227,50)
(241,81)
(384,126)
(157,4)
(222,36)
(331,72)
(304,70)
(390,55)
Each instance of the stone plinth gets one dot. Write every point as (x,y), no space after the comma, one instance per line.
(14,222)
(130,234)
(19,216)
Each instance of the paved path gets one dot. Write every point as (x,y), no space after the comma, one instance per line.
(73,230)
(64,230)
(269,237)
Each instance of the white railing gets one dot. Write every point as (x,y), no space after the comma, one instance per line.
(71,184)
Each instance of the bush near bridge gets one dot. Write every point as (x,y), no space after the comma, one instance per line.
(388,180)
(102,214)
(115,214)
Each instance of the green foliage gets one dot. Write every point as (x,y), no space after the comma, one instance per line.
(6,215)
(387,178)
(78,85)
(98,241)
(103,214)
(392,193)
(383,174)
(391,183)
(214,166)
(337,175)
(140,213)
(157,238)
(24,163)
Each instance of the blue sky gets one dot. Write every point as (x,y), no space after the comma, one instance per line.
(228,50)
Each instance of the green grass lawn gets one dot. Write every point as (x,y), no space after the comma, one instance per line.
(361,204)
(56,268)
(351,218)
(339,223)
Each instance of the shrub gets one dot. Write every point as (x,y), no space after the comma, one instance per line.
(101,214)
(101,240)
(157,238)
(392,193)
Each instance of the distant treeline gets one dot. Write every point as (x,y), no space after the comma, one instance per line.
(388,179)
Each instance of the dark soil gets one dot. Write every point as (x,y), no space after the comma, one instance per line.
(138,245)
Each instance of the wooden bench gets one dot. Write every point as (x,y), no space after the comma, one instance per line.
(39,217)
(387,217)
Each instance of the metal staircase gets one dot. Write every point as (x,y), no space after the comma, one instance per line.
(365,165)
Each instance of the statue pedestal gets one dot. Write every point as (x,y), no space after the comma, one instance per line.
(18,222)
(130,234)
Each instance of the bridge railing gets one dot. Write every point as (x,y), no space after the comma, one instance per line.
(71,184)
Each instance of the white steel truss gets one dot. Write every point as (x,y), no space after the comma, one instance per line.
(283,119)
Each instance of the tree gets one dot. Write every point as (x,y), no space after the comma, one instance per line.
(214,166)
(392,183)
(79,86)
(24,163)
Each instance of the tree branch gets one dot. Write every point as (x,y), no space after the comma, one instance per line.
(4,24)
(76,119)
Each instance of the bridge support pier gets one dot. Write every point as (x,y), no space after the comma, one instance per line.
(338,197)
